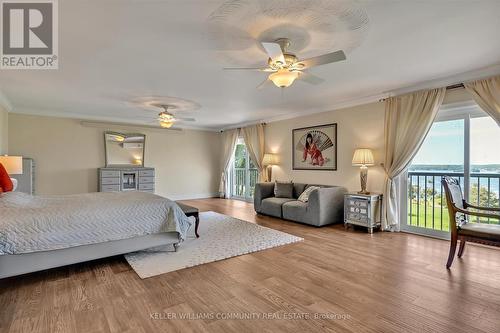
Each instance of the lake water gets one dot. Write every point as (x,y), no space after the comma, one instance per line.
(494,182)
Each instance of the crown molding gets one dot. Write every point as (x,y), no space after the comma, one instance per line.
(105,120)
(336,106)
(126,126)
(481,73)
(477,74)
(429,84)
(4,101)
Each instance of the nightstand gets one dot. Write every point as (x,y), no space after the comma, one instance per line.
(363,210)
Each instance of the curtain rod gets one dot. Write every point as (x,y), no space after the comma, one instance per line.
(450,87)
(263,124)
(455,86)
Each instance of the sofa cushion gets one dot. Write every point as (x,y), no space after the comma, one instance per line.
(283,189)
(272,206)
(295,210)
(304,197)
(298,188)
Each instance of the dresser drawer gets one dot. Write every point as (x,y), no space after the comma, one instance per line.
(355,202)
(146,180)
(148,186)
(146,173)
(357,217)
(110,181)
(110,188)
(110,173)
(358,210)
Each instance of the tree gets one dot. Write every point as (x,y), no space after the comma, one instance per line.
(485,199)
(240,156)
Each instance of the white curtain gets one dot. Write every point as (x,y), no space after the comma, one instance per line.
(486,93)
(229,139)
(408,119)
(254,141)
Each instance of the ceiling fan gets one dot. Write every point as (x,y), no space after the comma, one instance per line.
(285,67)
(167,119)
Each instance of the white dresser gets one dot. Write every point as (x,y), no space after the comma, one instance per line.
(114,179)
(363,210)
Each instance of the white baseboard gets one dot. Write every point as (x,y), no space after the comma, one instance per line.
(193,196)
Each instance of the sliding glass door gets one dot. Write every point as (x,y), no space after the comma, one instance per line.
(458,145)
(244,175)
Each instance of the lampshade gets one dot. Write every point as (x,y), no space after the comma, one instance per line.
(270,159)
(283,78)
(13,164)
(363,156)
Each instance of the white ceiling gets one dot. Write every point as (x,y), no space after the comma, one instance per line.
(112,52)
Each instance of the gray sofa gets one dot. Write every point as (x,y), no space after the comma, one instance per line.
(325,205)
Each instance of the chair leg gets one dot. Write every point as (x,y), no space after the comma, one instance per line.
(461,249)
(453,248)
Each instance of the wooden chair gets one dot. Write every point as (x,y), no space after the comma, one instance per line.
(460,227)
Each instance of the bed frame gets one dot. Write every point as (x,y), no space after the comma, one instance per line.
(17,264)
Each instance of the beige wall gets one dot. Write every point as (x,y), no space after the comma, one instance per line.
(4,130)
(68,154)
(358,127)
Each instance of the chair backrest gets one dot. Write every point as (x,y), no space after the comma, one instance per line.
(454,198)
(453,191)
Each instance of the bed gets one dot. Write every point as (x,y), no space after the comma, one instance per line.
(41,232)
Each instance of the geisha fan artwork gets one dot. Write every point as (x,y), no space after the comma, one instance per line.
(315,148)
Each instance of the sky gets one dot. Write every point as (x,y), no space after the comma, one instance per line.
(445,141)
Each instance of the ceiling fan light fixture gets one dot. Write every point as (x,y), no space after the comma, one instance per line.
(166,120)
(283,78)
(166,124)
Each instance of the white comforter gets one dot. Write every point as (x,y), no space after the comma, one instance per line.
(42,223)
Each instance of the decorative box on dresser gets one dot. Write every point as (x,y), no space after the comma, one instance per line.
(363,210)
(113,179)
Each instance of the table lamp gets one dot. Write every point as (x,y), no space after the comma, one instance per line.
(13,165)
(363,157)
(269,160)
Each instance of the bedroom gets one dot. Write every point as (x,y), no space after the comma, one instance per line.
(166,70)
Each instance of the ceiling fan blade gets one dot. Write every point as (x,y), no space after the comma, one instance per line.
(310,78)
(184,119)
(264,84)
(322,59)
(274,52)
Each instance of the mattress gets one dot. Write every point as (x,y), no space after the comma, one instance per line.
(43,223)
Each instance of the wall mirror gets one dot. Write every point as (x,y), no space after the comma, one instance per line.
(124,149)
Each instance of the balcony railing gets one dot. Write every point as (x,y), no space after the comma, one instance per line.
(427,200)
(239,181)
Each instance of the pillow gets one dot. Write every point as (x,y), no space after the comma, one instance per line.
(304,197)
(283,189)
(5,181)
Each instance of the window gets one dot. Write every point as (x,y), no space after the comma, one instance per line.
(244,175)
(459,145)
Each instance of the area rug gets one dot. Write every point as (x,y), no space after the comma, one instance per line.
(221,237)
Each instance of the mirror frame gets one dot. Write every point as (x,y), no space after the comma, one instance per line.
(124,135)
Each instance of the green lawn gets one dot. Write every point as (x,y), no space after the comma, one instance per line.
(421,218)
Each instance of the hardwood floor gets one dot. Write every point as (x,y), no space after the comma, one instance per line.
(385,282)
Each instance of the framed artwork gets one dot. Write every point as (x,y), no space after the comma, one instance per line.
(315,148)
